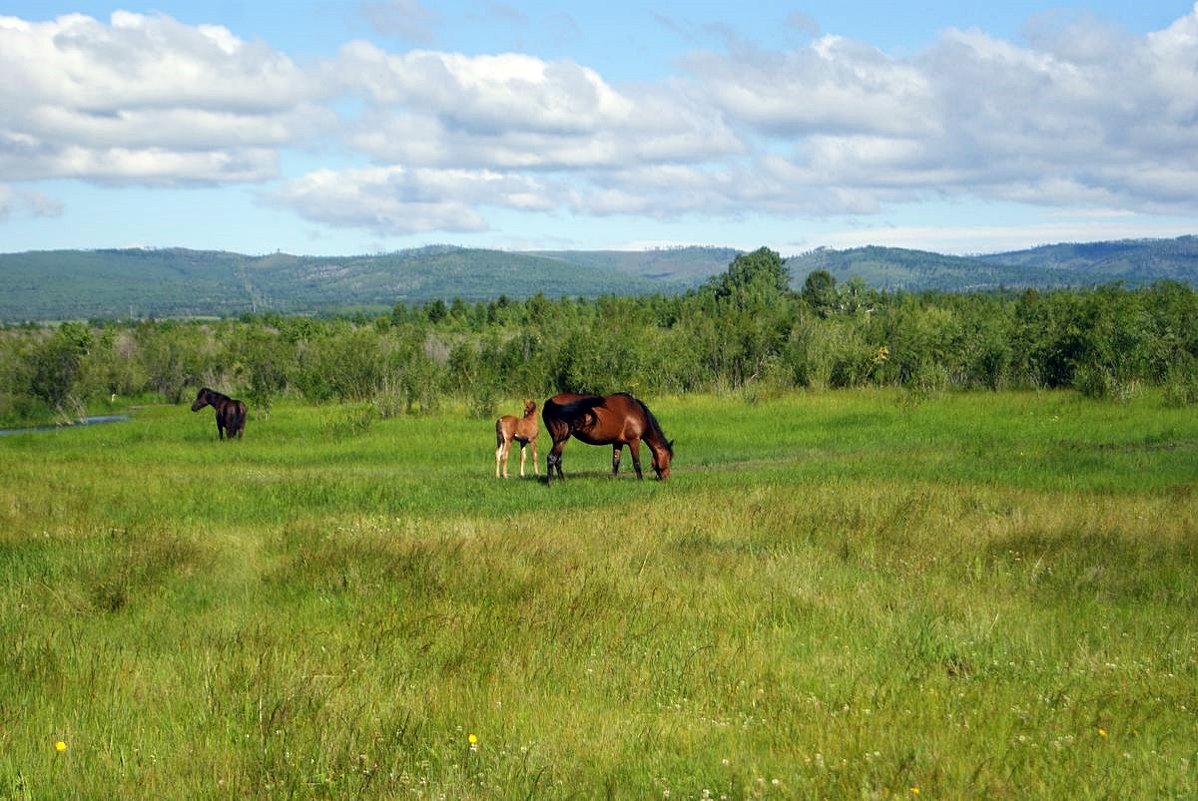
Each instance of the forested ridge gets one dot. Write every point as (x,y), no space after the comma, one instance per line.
(133,284)
(745,329)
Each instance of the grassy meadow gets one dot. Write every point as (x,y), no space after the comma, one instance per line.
(858,594)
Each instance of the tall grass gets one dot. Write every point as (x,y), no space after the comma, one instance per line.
(840,595)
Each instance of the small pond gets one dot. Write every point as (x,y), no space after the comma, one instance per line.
(99,419)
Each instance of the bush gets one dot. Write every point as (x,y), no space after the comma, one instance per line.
(1181,385)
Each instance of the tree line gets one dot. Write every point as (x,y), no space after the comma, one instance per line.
(743,330)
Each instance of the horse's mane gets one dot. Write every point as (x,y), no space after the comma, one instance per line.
(654,426)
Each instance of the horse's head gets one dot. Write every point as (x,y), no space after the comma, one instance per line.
(530,408)
(661,460)
(202,399)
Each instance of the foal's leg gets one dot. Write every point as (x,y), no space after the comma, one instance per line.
(534,456)
(615,459)
(501,452)
(522,444)
(634,448)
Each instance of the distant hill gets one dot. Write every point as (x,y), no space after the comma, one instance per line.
(1134,262)
(898,268)
(80,284)
(683,267)
(174,282)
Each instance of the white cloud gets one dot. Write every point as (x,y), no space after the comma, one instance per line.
(484,93)
(27,203)
(1087,116)
(516,111)
(398,200)
(1083,116)
(834,85)
(147,99)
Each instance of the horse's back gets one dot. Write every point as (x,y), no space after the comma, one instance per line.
(566,400)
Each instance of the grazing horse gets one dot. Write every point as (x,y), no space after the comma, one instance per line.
(615,420)
(230,413)
(521,429)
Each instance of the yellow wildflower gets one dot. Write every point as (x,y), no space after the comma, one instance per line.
(60,746)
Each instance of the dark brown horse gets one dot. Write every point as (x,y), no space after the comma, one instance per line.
(521,429)
(615,420)
(230,413)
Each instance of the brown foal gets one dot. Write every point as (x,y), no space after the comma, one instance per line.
(521,429)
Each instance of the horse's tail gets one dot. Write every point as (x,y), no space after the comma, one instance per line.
(241,413)
(563,419)
(580,407)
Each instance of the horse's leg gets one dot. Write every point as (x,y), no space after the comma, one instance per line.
(634,448)
(534,456)
(554,460)
(615,459)
(522,454)
(507,451)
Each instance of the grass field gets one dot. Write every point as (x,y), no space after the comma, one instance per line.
(837,595)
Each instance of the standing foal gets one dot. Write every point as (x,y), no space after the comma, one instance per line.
(522,429)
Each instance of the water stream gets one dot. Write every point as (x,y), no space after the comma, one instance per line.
(86,421)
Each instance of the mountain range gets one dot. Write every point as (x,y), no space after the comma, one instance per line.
(176,282)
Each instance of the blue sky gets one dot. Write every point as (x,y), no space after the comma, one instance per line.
(324,127)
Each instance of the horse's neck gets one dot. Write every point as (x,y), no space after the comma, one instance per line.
(655,442)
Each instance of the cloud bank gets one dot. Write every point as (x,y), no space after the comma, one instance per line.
(1080,116)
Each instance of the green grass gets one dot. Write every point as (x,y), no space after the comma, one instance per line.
(839,595)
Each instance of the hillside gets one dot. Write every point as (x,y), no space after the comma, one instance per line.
(1133,261)
(898,268)
(174,282)
(683,266)
(54,285)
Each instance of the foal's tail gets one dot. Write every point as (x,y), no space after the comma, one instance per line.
(503,426)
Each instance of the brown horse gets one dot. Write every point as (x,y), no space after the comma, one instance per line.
(521,429)
(230,413)
(615,420)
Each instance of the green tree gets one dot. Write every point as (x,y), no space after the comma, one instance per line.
(263,360)
(752,281)
(819,290)
(58,365)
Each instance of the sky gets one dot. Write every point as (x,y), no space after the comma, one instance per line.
(339,128)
